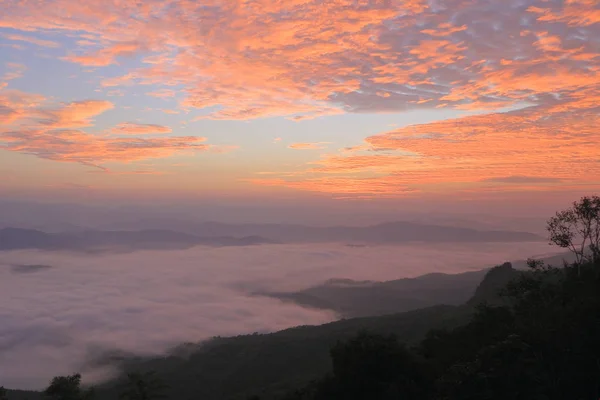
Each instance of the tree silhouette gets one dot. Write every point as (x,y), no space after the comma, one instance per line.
(143,386)
(3,393)
(68,388)
(374,367)
(578,228)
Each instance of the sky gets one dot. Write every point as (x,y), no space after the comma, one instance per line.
(345,100)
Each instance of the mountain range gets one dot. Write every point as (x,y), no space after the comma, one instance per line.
(220,234)
(21,239)
(384,233)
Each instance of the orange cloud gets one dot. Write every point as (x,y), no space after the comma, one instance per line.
(106,56)
(78,146)
(573,12)
(380,187)
(311,58)
(308,146)
(130,128)
(77,114)
(15,105)
(49,132)
(304,59)
(527,149)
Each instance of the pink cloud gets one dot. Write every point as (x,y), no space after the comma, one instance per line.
(77,114)
(532,149)
(15,105)
(106,56)
(54,133)
(131,128)
(14,71)
(304,59)
(313,59)
(78,146)
(32,40)
(308,146)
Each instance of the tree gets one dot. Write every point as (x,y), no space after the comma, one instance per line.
(374,367)
(3,393)
(578,229)
(68,388)
(143,386)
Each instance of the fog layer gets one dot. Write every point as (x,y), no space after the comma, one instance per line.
(60,311)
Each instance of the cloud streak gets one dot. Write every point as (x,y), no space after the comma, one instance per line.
(130,128)
(13,71)
(308,146)
(31,40)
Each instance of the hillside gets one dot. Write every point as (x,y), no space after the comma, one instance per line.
(369,298)
(359,299)
(271,364)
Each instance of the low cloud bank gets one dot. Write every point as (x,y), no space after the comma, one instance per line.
(58,310)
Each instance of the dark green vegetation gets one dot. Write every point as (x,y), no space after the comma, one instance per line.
(68,388)
(542,343)
(531,334)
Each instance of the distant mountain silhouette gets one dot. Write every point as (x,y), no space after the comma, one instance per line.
(386,233)
(360,299)
(20,239)
(219,234)
(494,280)
(351,298)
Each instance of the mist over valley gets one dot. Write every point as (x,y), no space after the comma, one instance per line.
(62,311)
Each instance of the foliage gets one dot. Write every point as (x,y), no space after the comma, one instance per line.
(3,393)
(143,386)
(578,229)
(68,388)
(270,365)
(544,343)
(374,367)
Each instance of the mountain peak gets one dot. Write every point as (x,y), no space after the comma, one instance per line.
(494,280)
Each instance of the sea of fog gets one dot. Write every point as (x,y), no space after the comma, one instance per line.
(60,311)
